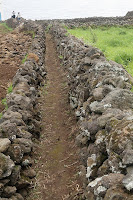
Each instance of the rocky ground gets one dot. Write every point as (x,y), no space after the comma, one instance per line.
(56,157)
(13,48)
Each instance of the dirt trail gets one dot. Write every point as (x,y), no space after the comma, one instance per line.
(57,164)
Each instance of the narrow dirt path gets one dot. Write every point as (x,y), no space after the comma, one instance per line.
(57,164)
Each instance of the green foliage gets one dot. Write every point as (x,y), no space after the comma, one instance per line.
(132,89)
(1,115)
(61,57)
(10,88)
(31,33)
(48,28)
(93,34)
(6,27)
(25,58)
(4,102)
(115,41)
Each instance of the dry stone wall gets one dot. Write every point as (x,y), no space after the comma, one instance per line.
(21,120)
(92,21)
(100,93)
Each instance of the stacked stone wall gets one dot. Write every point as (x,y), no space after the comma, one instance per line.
(92,21)
(100,94)
(20,122)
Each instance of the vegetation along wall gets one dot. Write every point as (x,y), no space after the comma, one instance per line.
(100,93)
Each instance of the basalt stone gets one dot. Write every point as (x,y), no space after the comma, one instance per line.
(22,85)
(23,192)
(100,185)
(16,152)
(93,128)
(128,179)
(14,117)
(9,191)
(4,144)
(98,94)
(117,193)
(120,140)
(82,140)
(22,133)
(17,196)
(1,188)
(8,130)
(15,175)
(100,140)
(6,166)
(23,102)
(23,183)
(26,114)
(26,144)
(118,98)
(103,169)
(19,79)
(30,173)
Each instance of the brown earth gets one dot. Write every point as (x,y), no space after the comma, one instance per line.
(56,156)
(13,48)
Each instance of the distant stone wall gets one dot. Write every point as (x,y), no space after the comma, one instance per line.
(99,21)
(100,93)
(21,121)
(92,21)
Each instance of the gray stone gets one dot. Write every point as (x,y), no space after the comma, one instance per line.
(15,175)
(16,152)
(118,98)
(9,191)
(26,144)
(4,144)
(6,166)
(128,179)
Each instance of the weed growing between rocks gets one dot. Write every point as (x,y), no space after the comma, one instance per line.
(10,89)
(24,59)
(4,28)
(4,102)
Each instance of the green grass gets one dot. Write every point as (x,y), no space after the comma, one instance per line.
(24,59)
(4,28)
(31,33)
(1,115)
(116,42)
(10,89)
(4,102)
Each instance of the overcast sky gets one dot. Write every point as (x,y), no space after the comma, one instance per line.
(55,9)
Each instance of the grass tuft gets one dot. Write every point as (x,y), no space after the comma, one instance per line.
(4,102)
(10,89)
(25,58)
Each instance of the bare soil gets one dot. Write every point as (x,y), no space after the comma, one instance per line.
(13,48)
(56,158)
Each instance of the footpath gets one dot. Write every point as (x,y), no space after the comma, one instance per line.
(56,157)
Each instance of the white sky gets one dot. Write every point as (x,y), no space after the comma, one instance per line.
(54,9)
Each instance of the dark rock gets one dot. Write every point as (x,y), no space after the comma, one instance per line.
(6,166)
(16,153)
(128,179)
(26,144)
(15,175)
(30,173)
(9,191)
(4,144)
(115,192)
